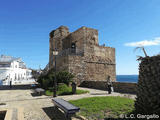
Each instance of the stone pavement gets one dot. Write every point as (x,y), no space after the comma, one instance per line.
(26,106)
(95,93)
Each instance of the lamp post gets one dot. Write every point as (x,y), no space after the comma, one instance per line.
(55,53)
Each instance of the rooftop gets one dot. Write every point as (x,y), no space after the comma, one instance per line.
(4,58)
(9,59)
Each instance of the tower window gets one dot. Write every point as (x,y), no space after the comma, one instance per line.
(73,48)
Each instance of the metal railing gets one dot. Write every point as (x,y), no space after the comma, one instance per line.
(71,51)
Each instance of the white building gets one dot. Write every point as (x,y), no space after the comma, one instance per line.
(13,69)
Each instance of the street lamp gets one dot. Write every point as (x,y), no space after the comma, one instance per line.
(55,53)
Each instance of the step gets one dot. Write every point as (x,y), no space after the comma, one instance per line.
(13,113)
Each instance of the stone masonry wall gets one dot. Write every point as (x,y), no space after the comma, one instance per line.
(62,63)
(56,36)
(100,63)
(78,68)
(100,60)
(94,63)
(76,37)
(122,87)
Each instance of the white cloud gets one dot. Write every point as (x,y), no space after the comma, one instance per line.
(155,41)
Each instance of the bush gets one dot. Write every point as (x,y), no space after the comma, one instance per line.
(63,89)
(64,77)
(47,80)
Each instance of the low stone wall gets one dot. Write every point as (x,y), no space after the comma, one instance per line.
(16,87)
(125,87)
(122,87)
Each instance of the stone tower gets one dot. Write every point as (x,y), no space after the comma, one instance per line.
(56,36)
(80,54)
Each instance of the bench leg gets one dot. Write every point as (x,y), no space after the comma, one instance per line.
(68,116)
(55,107)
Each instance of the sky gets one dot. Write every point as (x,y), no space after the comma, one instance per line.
(122,24)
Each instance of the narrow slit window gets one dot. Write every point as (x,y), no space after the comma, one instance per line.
(73,48)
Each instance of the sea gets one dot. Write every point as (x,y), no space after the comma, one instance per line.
(127,78)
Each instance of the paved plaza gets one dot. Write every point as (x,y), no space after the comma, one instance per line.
(24,105)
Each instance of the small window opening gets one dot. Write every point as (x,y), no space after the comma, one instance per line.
(73,48)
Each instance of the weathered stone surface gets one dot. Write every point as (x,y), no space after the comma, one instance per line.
(80,53)
(121,87)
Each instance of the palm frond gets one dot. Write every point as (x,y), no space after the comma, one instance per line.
(142,48)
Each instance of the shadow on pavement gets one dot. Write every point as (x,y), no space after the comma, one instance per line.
(16,87)
(2,115)
(35,95)
(54,113)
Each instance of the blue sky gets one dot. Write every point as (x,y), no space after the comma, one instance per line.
(123,24)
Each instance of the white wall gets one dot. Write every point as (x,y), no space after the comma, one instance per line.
(14,73)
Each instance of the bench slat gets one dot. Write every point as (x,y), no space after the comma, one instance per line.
(39,90)
(67,107)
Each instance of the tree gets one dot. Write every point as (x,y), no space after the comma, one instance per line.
(148,87)
(35,74)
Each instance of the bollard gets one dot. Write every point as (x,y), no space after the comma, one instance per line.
(73,87)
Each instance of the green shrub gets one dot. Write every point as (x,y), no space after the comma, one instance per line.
(45,83)
(50,89)
(63,89)
(64,77)
(47,80)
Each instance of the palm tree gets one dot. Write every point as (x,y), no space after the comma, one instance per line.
(148,87)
